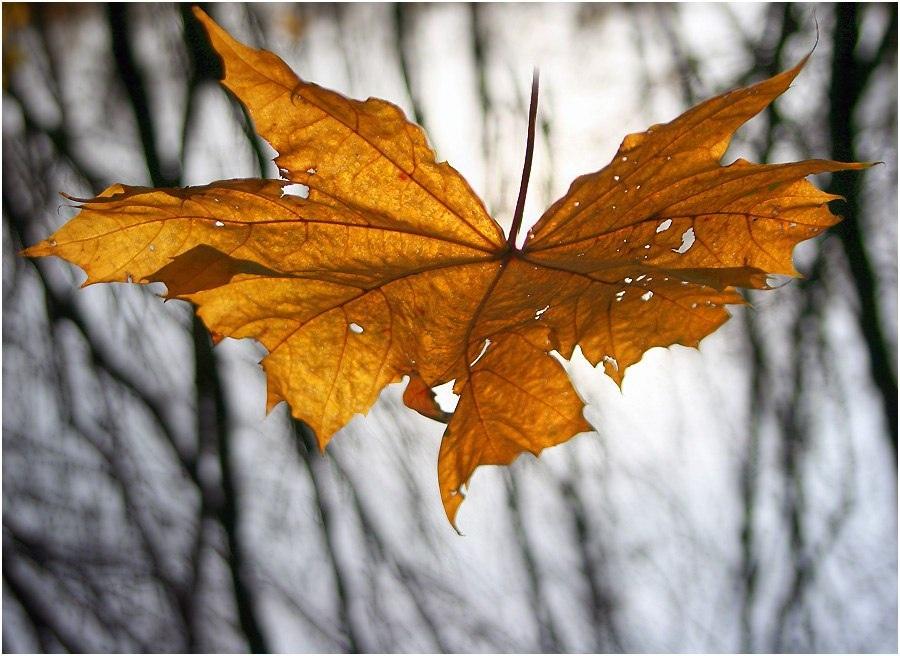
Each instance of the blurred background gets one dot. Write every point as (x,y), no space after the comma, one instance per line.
(742,497)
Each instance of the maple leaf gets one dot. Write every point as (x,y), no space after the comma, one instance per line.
(392,267)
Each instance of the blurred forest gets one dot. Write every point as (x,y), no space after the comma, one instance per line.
(739,498)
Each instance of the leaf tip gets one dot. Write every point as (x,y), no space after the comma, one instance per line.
(452,500)
(199,14)
(40,249)
(613,370)
(273,398)
(213,29)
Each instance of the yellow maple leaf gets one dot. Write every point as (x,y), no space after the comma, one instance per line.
(392,267)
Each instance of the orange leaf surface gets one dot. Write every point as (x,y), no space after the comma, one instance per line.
(392,267)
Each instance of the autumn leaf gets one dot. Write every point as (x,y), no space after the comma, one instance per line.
(392,267)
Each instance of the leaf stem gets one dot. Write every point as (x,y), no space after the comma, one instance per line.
(526,169)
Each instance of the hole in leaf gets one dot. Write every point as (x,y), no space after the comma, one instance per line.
(356,329)
(220,224)
(539,313)
(647,295)
(687,240)
(300,190)
(665,225)
(484,348)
